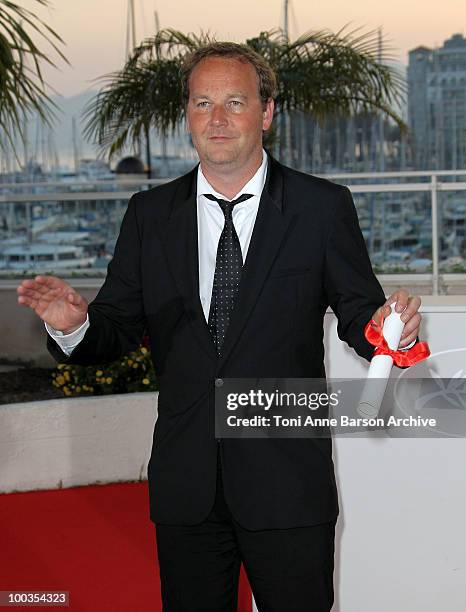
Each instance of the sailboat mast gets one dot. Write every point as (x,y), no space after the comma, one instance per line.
(286,28)
(381,118)
(287,118)
(130,29)
(75,146)
(130,46)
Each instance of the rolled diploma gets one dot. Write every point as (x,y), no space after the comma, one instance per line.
(381,365)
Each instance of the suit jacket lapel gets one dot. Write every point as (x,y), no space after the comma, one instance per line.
(270,228)
(180,243)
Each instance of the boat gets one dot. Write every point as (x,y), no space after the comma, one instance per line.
(38,256)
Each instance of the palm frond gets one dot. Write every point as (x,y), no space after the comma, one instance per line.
(329,74)
(322,73)
(23,90)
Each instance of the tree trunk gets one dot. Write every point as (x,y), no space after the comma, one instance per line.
(148,155)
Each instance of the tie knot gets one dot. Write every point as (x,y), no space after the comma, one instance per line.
(226,205)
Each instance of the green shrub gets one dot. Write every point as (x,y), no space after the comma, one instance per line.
(135,372)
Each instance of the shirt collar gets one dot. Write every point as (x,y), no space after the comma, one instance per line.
(254,186)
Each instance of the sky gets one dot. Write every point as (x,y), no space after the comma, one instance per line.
(95,30)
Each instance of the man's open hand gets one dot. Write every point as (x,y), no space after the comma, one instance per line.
(54,301)
(409,306)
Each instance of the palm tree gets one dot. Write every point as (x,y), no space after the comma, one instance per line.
(320,73)
(22,85)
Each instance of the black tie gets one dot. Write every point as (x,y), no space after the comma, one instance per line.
(227,272)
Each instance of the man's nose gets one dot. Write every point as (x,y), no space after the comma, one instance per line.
(219,115)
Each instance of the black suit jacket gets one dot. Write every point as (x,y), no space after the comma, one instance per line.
(306,252)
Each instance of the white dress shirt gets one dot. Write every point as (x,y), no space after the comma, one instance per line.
(210,222)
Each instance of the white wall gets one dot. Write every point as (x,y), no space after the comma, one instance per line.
(75,441)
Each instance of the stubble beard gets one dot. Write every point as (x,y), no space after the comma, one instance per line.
(226,159)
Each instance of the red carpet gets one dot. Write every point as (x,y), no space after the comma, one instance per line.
(95,542)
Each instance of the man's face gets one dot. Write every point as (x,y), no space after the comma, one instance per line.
(225,113)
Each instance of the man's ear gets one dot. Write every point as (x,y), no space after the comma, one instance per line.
(267,114)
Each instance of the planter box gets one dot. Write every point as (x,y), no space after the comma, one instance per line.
(76,441)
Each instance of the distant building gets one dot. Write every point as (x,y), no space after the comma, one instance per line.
(437,105)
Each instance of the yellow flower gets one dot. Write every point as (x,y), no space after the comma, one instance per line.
(143,350)
(135,365)
(109,380)
(130,362)
(145,381)
(60,380)
(66,391)
(99,373)
(67,375)
(78,389)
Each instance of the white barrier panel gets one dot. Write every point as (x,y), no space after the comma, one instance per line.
(75,441)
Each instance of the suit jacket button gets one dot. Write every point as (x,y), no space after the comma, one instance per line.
(219,382)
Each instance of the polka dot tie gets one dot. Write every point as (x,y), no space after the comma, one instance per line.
(227,272)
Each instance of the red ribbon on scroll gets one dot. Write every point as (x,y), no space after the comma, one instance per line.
(403,359)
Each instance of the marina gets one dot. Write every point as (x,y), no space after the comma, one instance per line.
(73,224)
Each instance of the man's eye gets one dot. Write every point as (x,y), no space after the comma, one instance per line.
(236,103)
(203,104)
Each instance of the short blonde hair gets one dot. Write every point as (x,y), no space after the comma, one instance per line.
(243,53)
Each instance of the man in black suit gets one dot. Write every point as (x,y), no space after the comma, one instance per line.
(230,269)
